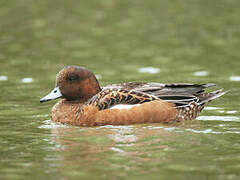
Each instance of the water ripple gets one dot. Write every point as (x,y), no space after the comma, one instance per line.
(150,70)
(3,78)
(234,78)
(48,124)
(212,108)
(219,118)
(200,73)
(27,80)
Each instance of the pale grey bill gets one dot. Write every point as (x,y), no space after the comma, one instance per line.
(54,94)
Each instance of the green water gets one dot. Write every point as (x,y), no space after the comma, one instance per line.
(115,39)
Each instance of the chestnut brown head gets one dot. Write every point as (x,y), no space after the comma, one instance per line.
(74,83)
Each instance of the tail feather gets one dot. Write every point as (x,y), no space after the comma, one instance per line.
(211,96)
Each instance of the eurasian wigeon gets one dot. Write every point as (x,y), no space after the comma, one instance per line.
(85,103)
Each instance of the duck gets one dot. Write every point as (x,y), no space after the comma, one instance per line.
(84,103)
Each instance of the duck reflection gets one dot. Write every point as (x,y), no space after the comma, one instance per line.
(107,150)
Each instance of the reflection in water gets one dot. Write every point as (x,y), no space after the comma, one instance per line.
(113,136)
(211,108)
(3,78)
(234,78)
(150,70)
(231,112)
(87,147)
(120,150)
(200,73)
(121,134)
(219,118)
(27,80)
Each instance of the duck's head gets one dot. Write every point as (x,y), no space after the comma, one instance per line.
(74,83)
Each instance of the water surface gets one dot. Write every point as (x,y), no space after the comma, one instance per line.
(173,41)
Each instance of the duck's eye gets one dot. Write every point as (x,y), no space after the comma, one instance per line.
(72,78)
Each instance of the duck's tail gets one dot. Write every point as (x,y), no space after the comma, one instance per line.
(207,97)
(193,108)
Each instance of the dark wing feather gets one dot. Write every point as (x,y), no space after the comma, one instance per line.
(158,89)
(175,89)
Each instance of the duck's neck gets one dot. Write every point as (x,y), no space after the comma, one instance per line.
(65,111)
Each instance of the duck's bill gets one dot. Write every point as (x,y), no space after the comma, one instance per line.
(56,93)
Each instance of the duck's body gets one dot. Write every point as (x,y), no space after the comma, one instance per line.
(85,103)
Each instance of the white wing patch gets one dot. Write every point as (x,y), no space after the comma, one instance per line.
(124,106)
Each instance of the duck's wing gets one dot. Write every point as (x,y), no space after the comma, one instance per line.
(181,94)
(110,97)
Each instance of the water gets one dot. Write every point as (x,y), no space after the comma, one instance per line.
(160,41)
